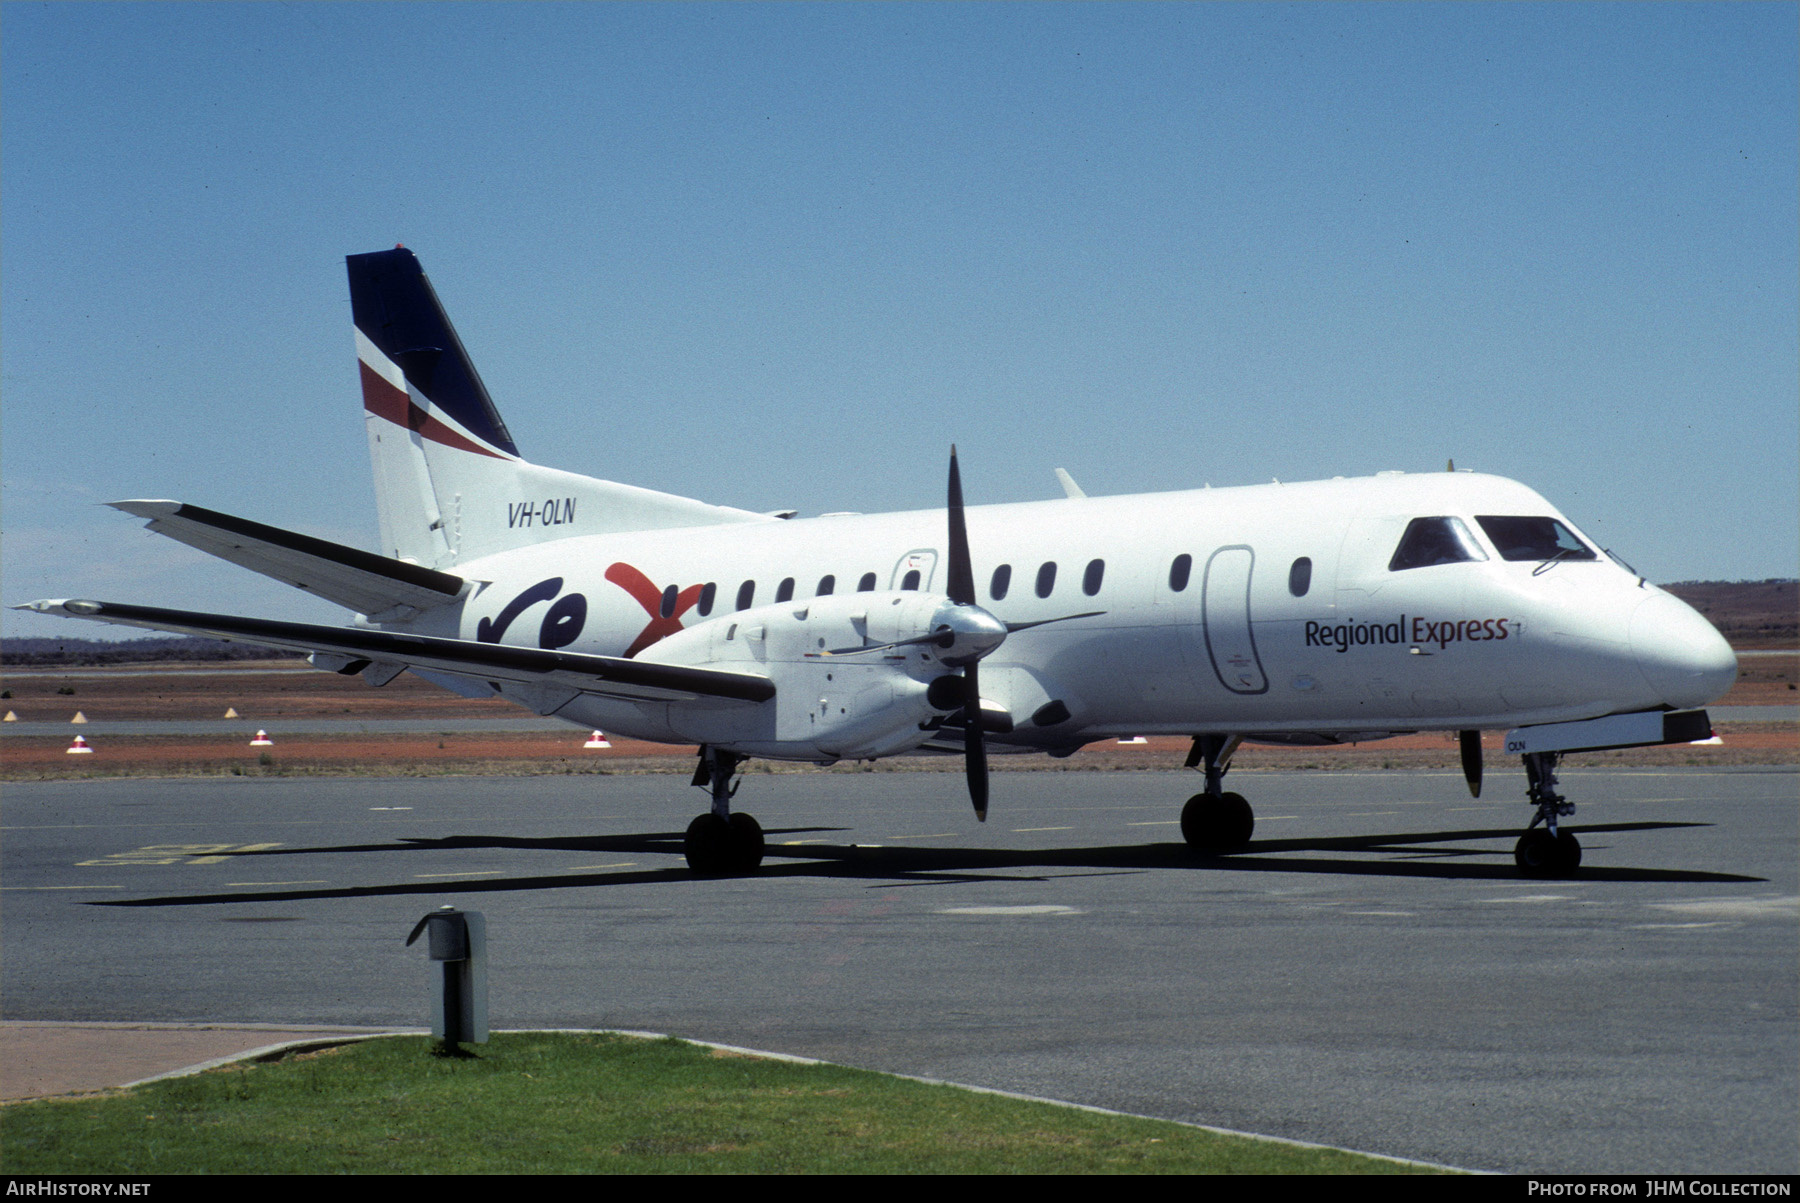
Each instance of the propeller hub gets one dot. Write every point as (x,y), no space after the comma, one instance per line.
(968,633)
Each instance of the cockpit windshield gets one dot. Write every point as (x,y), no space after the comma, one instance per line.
(1430,541)
(1529,538)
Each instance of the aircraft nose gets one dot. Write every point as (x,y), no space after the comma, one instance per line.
(1684,658)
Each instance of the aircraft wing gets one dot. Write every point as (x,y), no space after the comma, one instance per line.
(382,654)
(349,576)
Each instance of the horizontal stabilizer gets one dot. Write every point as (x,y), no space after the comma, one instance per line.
(364,582)
(608,676)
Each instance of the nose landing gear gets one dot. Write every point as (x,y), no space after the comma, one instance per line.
(720,843)
(1215,821)
(1550,852)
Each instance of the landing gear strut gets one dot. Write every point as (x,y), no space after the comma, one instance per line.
(1215,821)
(720,843)
(1550,852)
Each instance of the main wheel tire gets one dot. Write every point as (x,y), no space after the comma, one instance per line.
(1217,824)
(747,842)
(709,846)
(1540,854)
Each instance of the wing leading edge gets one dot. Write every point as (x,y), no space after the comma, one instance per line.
(607,676)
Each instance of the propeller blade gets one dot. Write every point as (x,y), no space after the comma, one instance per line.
(961,578)
(943,637)
(974,745)
(1471,760)
(1026,626)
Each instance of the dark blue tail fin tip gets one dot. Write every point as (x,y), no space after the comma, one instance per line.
(395,307)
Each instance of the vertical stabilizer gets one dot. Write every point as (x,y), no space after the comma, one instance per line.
(450,485)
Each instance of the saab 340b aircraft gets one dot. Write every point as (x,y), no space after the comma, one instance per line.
(1283,613)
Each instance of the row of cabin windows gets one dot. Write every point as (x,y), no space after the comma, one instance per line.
(1180,571)
(1091,579)
(784,592)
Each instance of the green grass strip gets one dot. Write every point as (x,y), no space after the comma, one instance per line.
(560,1103)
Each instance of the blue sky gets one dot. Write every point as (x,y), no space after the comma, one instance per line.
(783,255)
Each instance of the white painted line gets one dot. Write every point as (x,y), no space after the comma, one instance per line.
(1045,909)
(1020,830)
(1735,908)
(937,835)
(476,873)
(624,864)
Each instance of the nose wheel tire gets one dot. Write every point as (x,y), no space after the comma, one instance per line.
(1540,854)
(1217,822)
(719,847)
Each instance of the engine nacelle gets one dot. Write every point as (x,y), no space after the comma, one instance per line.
(831,702)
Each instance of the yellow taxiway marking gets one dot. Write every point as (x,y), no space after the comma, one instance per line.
(472,873)
(278,883)
(936,835)
(1156,823)
(3,888)
(178,854)
(1016,830)
(624,864)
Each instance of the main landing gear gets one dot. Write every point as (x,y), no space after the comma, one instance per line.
(1550,852)
(720,843)
(1215,821)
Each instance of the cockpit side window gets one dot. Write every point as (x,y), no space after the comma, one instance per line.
(1529,538)
(1430,541)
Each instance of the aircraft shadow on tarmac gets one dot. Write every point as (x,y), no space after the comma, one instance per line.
(1398,854)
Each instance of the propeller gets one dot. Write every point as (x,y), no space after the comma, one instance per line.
(966,632)
(960,588)
(1471,760)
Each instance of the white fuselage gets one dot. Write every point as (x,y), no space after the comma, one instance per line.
(1247,644)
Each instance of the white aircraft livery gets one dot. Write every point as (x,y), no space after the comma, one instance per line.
(1348,609)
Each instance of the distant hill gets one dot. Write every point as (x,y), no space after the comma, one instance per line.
(1751,614)
(57,653)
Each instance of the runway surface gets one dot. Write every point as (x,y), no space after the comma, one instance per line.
(1371,974)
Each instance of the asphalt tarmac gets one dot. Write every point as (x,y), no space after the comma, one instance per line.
(1372,973)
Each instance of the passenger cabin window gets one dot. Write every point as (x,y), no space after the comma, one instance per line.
(1534,539)
(1300,577)
(746,594)
(1090,580)
(910,580)
(669,598)
(709,593)
(1046,580)
(785,591)
(1179,572)
(1432,541)
(1001,583)
(867,584)
(826,585)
